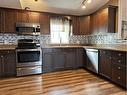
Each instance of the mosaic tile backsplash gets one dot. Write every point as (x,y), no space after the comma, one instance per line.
(109,38)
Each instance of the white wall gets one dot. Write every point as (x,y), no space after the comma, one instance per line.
(122,15)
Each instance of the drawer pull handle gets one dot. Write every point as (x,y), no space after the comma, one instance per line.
(119,61)
(119,68)
(119,78)
(119,54)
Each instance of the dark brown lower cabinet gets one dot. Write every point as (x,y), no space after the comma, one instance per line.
(47,62)
(119,75)
(81,58)
(113,66)
(7,63)
(71,59)
(105,63)
(56,59)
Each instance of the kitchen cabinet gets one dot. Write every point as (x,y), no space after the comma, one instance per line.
(105,63)
(7,21)
(9,17)
(84,24)
(80,25)
(22,16)
(7,63)
(75,25)
(113,67)
(47,58)
(27,17)
(104,20)
(80,58)
(1,21)
(56,59)
(70,59)
(45,23)
(34,17)
(119,68)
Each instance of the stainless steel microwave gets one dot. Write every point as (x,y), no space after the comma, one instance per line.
(28,28)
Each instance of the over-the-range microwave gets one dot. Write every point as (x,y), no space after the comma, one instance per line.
(28,28)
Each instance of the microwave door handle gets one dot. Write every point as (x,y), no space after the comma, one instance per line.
(34,29)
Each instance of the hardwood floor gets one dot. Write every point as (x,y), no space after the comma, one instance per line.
(77,82)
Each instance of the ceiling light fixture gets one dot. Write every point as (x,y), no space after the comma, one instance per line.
(89,1)
(85,2)
(83,6)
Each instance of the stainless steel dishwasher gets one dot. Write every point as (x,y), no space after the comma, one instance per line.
(92,60)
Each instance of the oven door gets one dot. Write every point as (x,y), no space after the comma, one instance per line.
(28,57)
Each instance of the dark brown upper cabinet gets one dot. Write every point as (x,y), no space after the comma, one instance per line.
(1,21)
(22,16)
(75,25)
(80,25)
(104,20)
(7,21)
(84,23)
(34,17)
(45,23)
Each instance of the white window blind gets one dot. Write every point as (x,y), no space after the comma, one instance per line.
(60,29)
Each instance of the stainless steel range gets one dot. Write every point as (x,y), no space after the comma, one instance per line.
(29,57)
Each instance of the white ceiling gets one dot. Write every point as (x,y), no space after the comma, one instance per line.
(72,7)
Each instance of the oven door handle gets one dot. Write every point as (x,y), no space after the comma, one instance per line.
(32,68)
(20,50)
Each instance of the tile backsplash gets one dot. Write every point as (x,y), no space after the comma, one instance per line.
(109,38)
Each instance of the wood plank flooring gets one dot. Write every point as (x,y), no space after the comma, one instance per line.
(72,82)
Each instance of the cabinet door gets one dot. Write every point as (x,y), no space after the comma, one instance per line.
(70,60)
(75,25)
(34,17)
(45,23)
(8,21)
(94,23)
(119,74)
(84,25)
(9,63)
(80,58)
(1,21)
(1,65)
(105,63)
(103,20)
(112,19)
(58,61)
(22,16)
(47,62)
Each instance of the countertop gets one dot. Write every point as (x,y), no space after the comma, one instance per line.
(116,47)
(7,47)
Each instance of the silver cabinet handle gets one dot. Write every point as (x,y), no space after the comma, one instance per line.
(119,54)
(119,68)
(119,61)
(110,57)
(119,78)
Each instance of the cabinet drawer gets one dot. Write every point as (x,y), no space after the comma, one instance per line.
(119,76)
(46,50)
(105,52)
(118,67)
(119,61)
(119,58)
